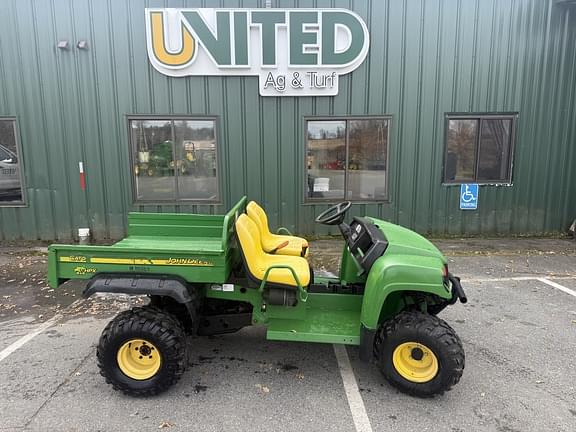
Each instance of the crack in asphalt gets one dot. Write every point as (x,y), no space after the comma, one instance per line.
(65,381)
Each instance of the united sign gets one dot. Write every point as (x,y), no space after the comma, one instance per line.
(294,52)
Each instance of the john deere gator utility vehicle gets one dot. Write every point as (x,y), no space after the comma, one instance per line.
(209,274)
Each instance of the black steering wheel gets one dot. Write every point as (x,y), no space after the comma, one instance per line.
(335,214)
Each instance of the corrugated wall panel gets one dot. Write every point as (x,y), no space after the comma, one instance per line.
(427,58)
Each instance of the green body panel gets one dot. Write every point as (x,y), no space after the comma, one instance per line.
(326,318)
(349,271)
(330,318)
(407,242)
(83,262)
(410,263)
(392,273)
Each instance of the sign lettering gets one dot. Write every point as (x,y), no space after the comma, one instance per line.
(294,52)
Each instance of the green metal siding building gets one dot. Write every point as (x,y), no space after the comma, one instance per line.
(450,92)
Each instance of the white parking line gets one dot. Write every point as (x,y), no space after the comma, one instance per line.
(530,278)
(359,415)
(28,337)
(558,286)
(514,278)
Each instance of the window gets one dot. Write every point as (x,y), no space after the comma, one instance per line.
(347,159)
(174,159)
(479,148)
(11,187)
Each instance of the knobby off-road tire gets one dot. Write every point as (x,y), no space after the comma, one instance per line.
(154,331)
(419,354)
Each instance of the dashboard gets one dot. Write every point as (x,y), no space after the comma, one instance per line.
(366,242)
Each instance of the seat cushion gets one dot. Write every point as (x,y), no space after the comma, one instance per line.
(296,245)
(258,262)
(283,276)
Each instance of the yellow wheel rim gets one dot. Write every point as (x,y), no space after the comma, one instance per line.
(139,359)
(415,362)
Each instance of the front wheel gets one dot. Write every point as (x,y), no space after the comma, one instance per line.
(419,354)
(142,351)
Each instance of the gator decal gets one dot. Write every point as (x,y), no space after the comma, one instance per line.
(81,270)
(73,259)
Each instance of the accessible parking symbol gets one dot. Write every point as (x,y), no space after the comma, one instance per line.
(469,196)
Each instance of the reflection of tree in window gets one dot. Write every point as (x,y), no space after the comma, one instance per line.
(326,158)
(367,151)
(479,149)
(461,149)
(330,133)
(494,149)
(347,158)
(367,144)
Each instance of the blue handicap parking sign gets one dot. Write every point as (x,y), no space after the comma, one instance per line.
(469,196)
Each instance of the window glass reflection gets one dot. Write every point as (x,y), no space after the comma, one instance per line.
(196,159)
(174,160)
(326,159)
(347,159)
(10,167)
(367,151)
(461,149)
(493,163)
(153,159)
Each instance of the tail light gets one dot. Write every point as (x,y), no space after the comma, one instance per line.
(445,274)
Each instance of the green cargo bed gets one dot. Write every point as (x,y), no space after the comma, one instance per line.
(194,247)
(205,245)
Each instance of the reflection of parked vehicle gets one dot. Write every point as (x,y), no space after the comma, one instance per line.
(9,175)
(157,162)
(160,161)
(374,165)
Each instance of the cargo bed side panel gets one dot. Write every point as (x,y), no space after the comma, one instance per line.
(83,262)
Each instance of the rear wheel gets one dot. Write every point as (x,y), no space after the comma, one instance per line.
(142,351)
(419,354)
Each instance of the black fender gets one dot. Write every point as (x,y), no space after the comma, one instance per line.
(139,284)
(366,349)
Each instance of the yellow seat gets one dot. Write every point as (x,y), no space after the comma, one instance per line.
(275,243)
(258,262)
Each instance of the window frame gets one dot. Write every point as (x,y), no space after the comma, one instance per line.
(512,116)
(24,201)
(173,118)
(312,201)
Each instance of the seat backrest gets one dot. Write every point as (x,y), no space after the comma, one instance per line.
(249,238)
(258,215)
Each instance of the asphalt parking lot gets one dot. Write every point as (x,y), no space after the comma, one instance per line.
(518,330)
